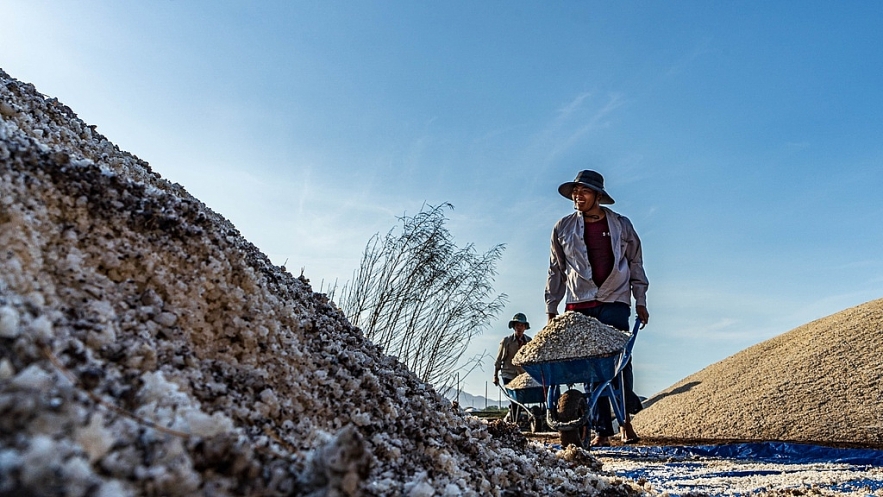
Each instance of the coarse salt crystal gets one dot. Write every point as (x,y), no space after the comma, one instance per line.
(9,322)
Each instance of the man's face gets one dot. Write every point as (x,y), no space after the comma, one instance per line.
(519,329)
(584,199)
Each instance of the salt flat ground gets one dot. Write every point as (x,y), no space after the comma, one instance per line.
(681,473)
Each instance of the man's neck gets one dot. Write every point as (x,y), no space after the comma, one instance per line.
(593,215)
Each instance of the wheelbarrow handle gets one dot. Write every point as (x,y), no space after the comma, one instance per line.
(627,350)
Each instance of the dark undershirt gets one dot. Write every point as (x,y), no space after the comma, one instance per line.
(600,250)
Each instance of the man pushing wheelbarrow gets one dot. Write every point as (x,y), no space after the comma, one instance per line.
(597,264)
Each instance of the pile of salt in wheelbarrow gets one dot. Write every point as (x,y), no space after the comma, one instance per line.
(585,357)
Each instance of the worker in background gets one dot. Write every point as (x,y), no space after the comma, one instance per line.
(509,345)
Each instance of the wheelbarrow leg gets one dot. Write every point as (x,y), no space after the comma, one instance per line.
(626,433)
(537,419)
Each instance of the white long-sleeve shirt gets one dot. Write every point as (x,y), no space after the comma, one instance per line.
(570,273)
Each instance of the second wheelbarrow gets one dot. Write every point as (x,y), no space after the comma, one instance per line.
(530,396)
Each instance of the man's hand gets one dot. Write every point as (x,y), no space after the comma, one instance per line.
(496,381)
(550,316)
(643,315)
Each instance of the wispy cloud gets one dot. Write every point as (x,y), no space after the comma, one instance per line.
(565,111)
(574,121)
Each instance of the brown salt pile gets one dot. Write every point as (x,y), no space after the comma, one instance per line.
(820,382)
(571,335)
(146,348)
(522,381)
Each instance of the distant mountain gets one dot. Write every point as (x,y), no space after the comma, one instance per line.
(477,401)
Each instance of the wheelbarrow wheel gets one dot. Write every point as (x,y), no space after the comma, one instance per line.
(537,419)
(572,406)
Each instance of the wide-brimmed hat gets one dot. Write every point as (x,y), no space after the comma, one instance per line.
(519,318)
(589,179)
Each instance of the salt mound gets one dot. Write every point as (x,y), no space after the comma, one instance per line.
(820,382)
(522,382)
(568,336)
(146,348)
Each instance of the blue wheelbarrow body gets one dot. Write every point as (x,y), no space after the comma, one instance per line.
(535,395)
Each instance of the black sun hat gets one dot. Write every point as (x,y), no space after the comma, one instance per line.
(589,179)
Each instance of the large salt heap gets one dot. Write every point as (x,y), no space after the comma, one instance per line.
(146,348)
(821,382)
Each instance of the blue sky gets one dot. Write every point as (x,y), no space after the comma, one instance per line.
(743,139)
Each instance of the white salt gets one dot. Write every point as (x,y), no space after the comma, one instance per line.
(9,322)
(94,438)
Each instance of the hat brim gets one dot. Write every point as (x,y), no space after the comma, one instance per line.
(566,191)
(512,324)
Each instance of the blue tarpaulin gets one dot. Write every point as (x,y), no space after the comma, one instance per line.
(775,452)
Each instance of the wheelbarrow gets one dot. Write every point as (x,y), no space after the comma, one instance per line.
(523,398)
(600,376)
